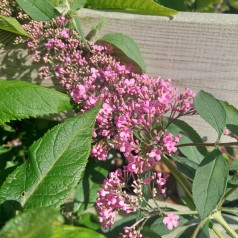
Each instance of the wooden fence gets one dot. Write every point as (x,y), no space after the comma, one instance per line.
(196,50)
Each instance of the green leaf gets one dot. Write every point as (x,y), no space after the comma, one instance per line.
(234,165)
(231,113)
(55,3)
(6,37)
(5,172)
(188,232)
(78,27)
(89,220)
(210,183)
(75,232)
(71,6)
(86,191)
(201,4)
(191,152)
(192,134)
(35,223)
(185,161)
(19,99)
(77,4)
(233,3)
(55,165)
(183,166)
(232,183)
(96,29)
(10,24)
(41,10)
(211,110)
(149,233)
(187,202)
(148,7)
(127,45)
(178,5)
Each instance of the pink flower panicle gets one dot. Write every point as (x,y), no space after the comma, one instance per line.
(10,8)
(132,103)
(171,221)
(132,117)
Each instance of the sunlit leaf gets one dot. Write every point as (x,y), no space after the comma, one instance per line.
(19,99)
(211,110)
(41,10)
(210,183)
(12,25)
(127,45)
(56,164)
(136,6)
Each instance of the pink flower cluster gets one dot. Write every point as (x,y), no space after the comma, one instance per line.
(156,183)
(134,118)
(131,232)
(5,9)
(112,199)
(134,105)
(10,8)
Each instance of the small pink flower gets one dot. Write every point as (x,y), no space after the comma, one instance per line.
(16,143)
(98,47)
(67,59)
(171,221)
(155,154)
(170,143)
(65,33)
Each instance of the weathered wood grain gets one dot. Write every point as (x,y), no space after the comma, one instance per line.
(195,50)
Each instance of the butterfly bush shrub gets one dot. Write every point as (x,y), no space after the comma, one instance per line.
(139,118)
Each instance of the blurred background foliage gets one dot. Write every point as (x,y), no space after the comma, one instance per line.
(15,139)
(212,6)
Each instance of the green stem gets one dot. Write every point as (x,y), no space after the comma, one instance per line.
(229,210)
(185,184)
(225,196)
(183,213)
(219,218)
(208,144)
(199,226)
(216,231)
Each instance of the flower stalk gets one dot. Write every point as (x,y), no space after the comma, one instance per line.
(219,218)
